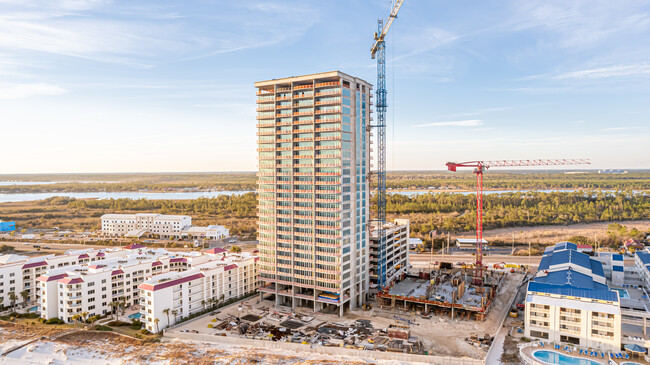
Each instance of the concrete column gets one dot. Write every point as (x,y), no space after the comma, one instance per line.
(341,310)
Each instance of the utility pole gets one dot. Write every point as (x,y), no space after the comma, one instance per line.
(513,243)
(529,255)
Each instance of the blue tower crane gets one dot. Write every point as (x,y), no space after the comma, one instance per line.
(378,51)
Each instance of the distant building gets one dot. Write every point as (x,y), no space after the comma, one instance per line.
(397,251)
(568,301)
(632,244)
(585,248)
(138,224)
(414,243)
(210,232)
(612,171)
(7,226)
(468,243)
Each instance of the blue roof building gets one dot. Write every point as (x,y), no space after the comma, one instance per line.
(7,226)
(568,301)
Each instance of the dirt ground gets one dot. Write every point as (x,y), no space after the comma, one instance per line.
(554,234)
(440,335)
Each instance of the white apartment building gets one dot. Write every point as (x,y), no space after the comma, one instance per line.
(212,232)
(397,251)
(134,224)
(92,285)
(210,278)
(568,301)
(19,273)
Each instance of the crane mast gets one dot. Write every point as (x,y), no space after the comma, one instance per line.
(378,51)
(479,168)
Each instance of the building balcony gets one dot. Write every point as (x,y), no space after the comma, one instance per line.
(282,123)
(264,108)
(304,139)
(286,106)
(328,147)
(328,164)
(329,129)
(282,115)
(327,83)
(328,102)
(282,98)
(259,117)
(326,271)
(327,111)
(327,93)
(328,174)
(266,149)
(302,122)
(328,119)
(297,96)
(303,113)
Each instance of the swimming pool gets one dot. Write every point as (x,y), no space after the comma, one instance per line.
(630,363)
(33,309)
(135,315)
(556,358)
(622,293)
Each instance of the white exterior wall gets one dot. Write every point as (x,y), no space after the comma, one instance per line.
(11,280)
(164,225)
(189,297)
(584,321)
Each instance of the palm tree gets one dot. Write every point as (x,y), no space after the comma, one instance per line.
(222,298)
(235,249)
(114,305)
(25,295)
(76,317)
(166,311)
(84,315)
(174,314)
(155,321)
(12,298)
(92,320)
(203,303)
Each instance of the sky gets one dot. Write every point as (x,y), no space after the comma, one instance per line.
(167,86)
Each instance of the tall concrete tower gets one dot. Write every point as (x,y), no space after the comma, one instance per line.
(314,157)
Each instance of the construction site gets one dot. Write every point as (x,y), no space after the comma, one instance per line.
(442,315)
(449,292)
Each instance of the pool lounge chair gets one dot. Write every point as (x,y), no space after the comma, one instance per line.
(602,354)
(580,351)
(627,356)
(541,343)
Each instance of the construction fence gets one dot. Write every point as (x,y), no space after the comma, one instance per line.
(339,351)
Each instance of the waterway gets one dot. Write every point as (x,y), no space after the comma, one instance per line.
(187,195)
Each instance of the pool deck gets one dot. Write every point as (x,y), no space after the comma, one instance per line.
(528,351)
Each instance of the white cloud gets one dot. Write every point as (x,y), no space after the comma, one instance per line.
(613,129)
(455,123)
(29,90)
(605,72)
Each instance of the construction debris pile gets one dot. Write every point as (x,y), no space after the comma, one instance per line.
(443,291)
(289,327)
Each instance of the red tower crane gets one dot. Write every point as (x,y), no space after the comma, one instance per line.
(479,168)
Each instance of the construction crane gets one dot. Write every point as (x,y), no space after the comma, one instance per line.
(479,168)
(378,51)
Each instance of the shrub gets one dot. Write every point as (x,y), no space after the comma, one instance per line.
(210,325)
(145,332)
(136,325)
(118,323)
(54,321)
(103,328)
(214,320)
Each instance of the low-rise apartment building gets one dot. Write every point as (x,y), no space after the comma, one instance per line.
(568,301)
(397,251)
(134,224)
(210,279)
(135,276)
(213,232)
(18,273)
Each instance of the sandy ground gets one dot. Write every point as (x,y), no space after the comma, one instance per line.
(105,348)
(555,233)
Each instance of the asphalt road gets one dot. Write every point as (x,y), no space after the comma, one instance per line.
(423,259)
